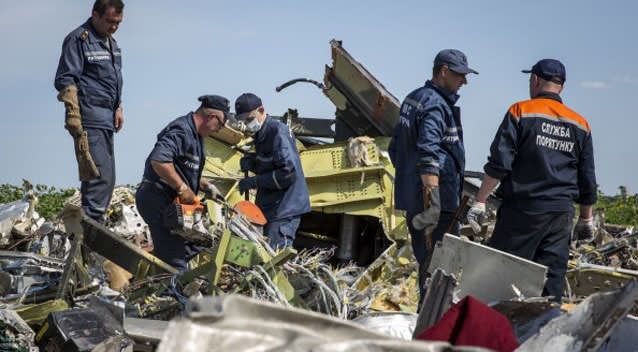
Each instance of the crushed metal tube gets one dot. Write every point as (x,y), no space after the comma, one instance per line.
(349,284)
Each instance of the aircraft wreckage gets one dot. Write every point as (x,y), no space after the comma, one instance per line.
(349,284)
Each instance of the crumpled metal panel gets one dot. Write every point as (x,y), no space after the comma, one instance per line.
(486,273)
(334,186)
(362,102)
(587,326)
(399,325)
(437,300)
(237,323)
(10,213)
(15,334)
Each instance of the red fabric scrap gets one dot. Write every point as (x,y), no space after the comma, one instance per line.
(472,323)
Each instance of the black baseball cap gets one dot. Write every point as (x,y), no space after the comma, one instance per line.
(549,70)
(216,102)
(455,60)
(246,103)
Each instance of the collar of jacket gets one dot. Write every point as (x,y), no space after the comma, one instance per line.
(549,95)
(190,122)
(93,36)
(261,134)
(449,97)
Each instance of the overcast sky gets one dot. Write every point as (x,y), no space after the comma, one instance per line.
(174,51)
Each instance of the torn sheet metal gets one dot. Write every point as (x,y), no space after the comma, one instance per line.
(236,323)
(23,274)
(588,279)
(15,334)
(437,300)
(588,325)
(10,214)
(145,331)
(623,337)
(105,242)
(486,273)
(364,105)
(398,325)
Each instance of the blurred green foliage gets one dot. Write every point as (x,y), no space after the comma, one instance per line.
(621,209)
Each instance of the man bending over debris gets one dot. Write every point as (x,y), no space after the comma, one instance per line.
(282,193)
(428,154)
(89,81)
(542,155)
(173,170)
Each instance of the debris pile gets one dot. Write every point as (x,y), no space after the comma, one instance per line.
(349,284)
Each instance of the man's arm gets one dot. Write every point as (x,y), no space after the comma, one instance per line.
(283,174)
(166,171)
(488,185)
(71,64)
(586,176)
(430,127)
(503,149)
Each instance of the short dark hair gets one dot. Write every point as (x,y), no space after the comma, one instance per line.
(100,6)
(436,70)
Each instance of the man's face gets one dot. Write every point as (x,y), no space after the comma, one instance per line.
(453,81)
(108,23)
(215,120)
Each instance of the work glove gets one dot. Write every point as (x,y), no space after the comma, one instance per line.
(86,167)
(248,162)
(584,230)
(475,217)
(73,120)
(428,219)
(247,184)
(186,195)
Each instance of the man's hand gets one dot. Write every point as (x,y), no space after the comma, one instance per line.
(475,216)
(186,195)
(247,184)
(428,219)
(584,230)
(119,119)
(248,162)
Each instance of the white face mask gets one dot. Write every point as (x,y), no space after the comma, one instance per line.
(253,126)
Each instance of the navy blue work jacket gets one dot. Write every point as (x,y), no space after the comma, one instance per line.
(178,143)
(88,63)
(544,156)
(428,140)
(281,186)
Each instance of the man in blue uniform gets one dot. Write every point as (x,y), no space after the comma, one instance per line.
(89,81)
(542,155)
(428,155)
(173,170)
(282,193)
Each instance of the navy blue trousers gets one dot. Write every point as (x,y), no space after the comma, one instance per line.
(419,247)
(540,237)
(281,233)
(168,247)
(97,193)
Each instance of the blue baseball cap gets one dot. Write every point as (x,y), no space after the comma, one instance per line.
(246,103)
(216,102)
(549,70)
(455,60)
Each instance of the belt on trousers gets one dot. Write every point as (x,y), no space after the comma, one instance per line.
(158,185)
